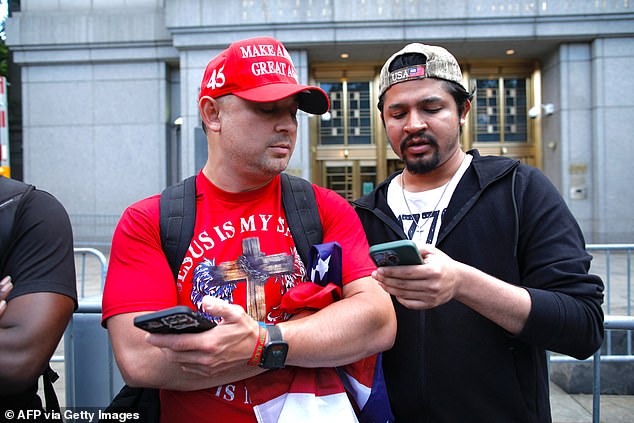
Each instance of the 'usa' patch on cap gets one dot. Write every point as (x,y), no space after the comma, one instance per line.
(405,74)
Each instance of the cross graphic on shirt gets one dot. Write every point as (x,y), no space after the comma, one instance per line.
(254,268)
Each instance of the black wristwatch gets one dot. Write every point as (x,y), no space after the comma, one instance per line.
(275,349)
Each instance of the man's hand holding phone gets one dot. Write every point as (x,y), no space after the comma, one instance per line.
(219,354)
(179,319)
(416,287)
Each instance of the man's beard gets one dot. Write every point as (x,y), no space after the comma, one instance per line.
(416,164)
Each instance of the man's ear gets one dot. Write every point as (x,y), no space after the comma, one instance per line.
(465,111)
(209,113)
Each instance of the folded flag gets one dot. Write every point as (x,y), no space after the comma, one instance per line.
(325,264)
(306,395)
(309,296)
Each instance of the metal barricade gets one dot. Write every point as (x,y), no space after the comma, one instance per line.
(91,376)
(83,273)
(609,323)
(95,274)
(613,263)
(91,372)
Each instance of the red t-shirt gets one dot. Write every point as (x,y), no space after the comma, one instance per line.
(139,277)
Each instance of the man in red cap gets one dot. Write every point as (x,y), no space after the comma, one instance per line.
(260,365)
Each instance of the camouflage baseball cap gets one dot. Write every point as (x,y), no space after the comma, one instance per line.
(440,64)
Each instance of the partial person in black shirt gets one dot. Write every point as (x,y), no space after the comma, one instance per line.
(37,296)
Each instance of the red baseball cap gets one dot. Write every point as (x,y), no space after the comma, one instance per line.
(259,69)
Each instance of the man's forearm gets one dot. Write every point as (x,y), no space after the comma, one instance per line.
(361,324)
(145,365)
(506,305)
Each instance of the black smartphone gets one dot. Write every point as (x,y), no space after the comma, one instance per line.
(396,253)
(179,319)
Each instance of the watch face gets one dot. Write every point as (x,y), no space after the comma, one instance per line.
(275,355)
(278,352)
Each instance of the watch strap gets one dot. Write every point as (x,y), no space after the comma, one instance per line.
(275,334)
(275,349)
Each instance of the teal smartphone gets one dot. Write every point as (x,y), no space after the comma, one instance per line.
(396,253)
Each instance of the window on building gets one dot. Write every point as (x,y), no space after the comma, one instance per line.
(499,123)
(500,110)
(348,120)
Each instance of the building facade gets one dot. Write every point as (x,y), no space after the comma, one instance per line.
(109,89)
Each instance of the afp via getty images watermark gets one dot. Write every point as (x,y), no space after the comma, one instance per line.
(74,415)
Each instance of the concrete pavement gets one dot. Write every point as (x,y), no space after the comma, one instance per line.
(578,408)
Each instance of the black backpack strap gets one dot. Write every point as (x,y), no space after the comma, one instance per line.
(146,402)
(178,216)
(50,397)
(11,192)
(302,214)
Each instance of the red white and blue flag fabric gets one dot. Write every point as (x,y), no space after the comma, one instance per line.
(352,393)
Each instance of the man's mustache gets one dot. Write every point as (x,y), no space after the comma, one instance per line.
(422,139)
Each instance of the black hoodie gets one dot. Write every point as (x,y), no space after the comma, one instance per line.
(449,363)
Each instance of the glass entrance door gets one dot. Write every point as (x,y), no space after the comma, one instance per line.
(350,179)
(500,118)
(345,151)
